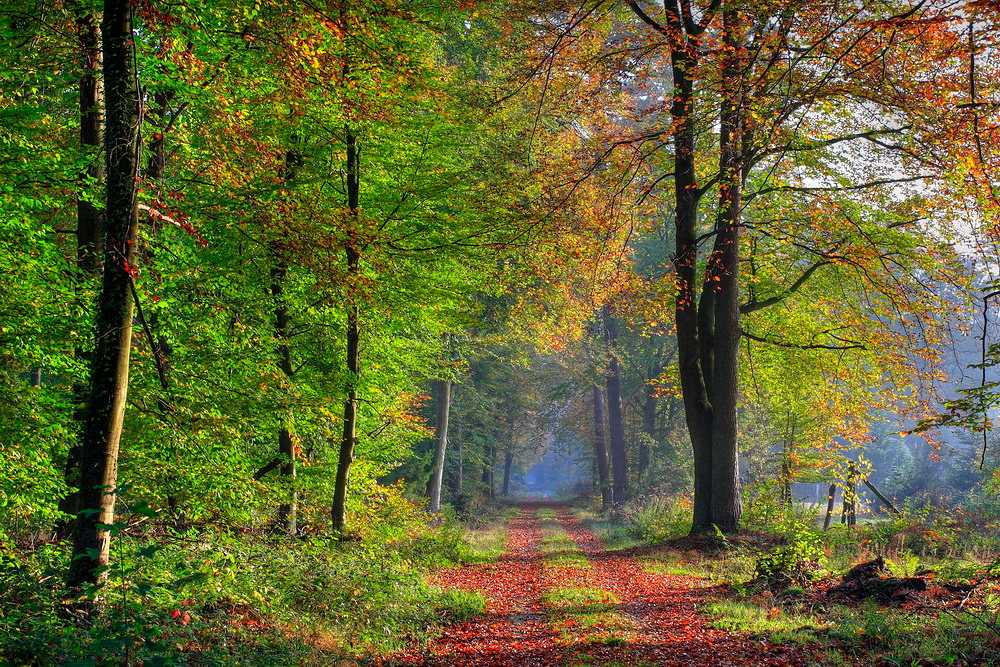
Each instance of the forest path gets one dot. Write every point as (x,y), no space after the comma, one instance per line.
(558,596)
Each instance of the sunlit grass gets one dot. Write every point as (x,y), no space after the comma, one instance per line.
(780,625)
(557,549)
(487,544)
(582,614)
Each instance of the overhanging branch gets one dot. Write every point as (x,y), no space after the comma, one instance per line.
(847,344)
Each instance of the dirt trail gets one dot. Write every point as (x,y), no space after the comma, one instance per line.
(517,629)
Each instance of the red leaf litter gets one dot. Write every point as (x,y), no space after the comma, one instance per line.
(517,631)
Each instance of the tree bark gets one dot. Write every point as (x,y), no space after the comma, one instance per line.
(831,498)
(351,250)
(460,461)
(110,366)
(508,463)
(687,195)
(89,226)
(440,441)
(287,510)
(722,276)
(601,450)
(616,421)
(488,465)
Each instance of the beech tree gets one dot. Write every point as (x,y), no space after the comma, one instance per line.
(765,76)
(105,411)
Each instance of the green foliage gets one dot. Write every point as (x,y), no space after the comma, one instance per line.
(797,562)
(225,596)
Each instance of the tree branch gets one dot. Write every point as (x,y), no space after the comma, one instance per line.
(850,345)
(754,305)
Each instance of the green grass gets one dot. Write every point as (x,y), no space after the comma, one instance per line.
(557,549)
(485,545)
(579,599)
(780,625)
(218,597)
(905,638)
(583,614)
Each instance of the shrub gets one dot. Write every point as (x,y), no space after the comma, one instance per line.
(795,563)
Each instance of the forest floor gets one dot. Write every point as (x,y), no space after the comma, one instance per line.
(559,596)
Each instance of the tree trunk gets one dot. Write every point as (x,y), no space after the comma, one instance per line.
(601,450)
(616,422)
(878,494)
(831,498)
(851,495)
(351,249)
(687,195)
(648,421)
(488,465)
(286,447)
(508,462)
(722,276)
(89,226)
(110,366)
(287,510)
(459,463)
(440,441)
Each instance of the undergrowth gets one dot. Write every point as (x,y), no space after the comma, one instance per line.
(769,579)
(213,595)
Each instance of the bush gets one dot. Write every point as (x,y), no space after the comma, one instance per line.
(656,518)
(244,597)
(796,563)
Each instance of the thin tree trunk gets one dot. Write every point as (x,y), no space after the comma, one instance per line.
(508,462)
(351,249)
(89,225)
(286,447)
(440,441)
(158,343)
(878,494)
(488,466)
(722,276)
(460,462)
(110,367)
(288,509)
(851,497)
(648,421)
(601,450)
(616,422)
(831,497)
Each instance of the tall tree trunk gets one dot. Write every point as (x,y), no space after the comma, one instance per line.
(440,441)
(460,461)
(616,421)
(649,413)
(488,465)
(508,462)
(601,450)
(687,195)
(89,224)
(110,366)
(352,252)
(158,343)
(287,510)
(722,277)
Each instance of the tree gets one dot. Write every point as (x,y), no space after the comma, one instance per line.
(778,89)
(110,365)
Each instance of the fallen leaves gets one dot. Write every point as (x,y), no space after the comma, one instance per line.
(660,610)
